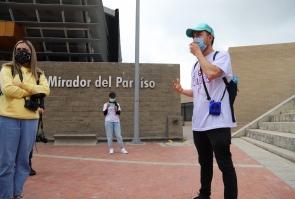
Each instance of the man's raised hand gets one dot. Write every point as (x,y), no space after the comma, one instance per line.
(177,86)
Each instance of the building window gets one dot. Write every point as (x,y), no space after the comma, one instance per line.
(54,33)
(56,47)
(24,15)
(50,16)
(5,15)
(77,33)
(187,111)
(48,1)
(74,16)
(21,1)
(33,33)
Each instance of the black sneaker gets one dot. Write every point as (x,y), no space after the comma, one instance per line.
(32,172)
(202,197)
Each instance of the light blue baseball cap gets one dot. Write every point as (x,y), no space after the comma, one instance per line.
(200,27)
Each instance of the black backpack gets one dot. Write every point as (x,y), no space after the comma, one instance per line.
(232,89)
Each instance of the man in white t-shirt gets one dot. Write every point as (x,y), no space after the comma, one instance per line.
(211,129)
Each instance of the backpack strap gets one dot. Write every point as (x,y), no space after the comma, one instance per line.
(216,52)
(231,104)
(21,76)
(215,55)
(38,81)
(223,94)
(208,96)
(205,87)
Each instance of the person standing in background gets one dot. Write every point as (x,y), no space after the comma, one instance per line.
(112,111)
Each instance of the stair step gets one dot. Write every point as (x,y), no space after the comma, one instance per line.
(289,155)
(280,139)
(283,118)
(288,112)
(288,127)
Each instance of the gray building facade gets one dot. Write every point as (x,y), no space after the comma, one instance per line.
(61,30)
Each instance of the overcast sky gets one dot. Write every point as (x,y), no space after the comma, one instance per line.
(163,24)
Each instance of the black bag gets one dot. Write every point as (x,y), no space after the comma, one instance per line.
(232,89)
(40,137)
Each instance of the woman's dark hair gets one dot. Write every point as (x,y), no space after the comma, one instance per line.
(112,94)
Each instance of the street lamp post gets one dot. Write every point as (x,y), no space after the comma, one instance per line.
(136,139)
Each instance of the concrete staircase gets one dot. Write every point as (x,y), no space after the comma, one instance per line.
(276,136)
(274,131)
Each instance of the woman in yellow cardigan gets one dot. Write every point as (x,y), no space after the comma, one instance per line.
(19,80)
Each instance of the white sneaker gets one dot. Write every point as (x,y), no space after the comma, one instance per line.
(123,150)
(111,150)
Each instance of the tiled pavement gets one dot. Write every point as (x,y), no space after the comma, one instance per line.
(151,171)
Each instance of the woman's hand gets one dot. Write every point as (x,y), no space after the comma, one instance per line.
(20,84)
(41,110)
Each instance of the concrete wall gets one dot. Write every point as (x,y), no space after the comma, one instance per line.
(266,78)
(79,110)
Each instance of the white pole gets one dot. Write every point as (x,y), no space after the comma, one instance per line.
(136,139)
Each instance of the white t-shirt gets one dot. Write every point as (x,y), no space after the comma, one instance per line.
(111,116)
(202,120)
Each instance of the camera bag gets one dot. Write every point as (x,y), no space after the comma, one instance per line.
(40,136)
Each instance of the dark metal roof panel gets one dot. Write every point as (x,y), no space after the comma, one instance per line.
(96,56)
(55,39)
(35,6)
(57,24)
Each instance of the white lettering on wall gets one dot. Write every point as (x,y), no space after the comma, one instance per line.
(118,81)
(110,81)
(147,84)
(97,82)
(55,81)
(152,84)
(104,83)
(76,82)
(58,82)
(124,83)
(69,83)
(52,81)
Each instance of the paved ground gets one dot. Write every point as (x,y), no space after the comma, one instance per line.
(152,171)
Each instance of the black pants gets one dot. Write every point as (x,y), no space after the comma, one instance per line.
(30,158)
(217,141)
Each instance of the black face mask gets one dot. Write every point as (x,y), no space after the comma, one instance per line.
(22,56)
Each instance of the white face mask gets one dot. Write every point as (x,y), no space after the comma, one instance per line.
(200,42)
(112,100)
